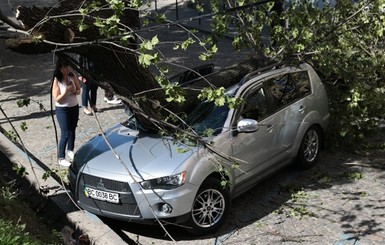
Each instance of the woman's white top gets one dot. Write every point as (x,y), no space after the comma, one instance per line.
(69,100)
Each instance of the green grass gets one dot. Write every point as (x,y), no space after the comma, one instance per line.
(15,234)
(19,223)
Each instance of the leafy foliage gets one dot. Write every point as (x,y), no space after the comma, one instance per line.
(19,225)
(24,102)
(297,205)
(14,234)
(11,135)
(19,170)
(344,42)
(148,56)
(27,101)
(7,193)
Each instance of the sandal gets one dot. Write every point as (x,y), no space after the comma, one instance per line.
(87,112)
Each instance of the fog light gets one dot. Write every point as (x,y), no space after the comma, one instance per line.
(166,208)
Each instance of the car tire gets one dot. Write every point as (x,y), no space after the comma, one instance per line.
(310,148)
(210,208)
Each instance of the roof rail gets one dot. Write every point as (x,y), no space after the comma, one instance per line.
(259,71)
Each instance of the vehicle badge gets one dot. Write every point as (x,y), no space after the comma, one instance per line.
(101,185)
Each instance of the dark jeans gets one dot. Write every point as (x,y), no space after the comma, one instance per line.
(68,120)
(89,90)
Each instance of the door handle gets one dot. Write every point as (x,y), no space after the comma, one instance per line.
(269,127)
(301,109)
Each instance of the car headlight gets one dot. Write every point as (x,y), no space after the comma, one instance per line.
(166,182)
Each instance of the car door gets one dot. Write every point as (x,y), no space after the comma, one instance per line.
(254,149)
(288,93)
(279,115)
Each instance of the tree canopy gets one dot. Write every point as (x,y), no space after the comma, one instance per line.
(343,41)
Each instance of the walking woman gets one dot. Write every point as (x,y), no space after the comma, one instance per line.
(65,89)
(89,88)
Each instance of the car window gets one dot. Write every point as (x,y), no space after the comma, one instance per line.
(288,88)
(302,82)
(255,106)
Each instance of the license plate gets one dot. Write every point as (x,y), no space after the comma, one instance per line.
(101,195)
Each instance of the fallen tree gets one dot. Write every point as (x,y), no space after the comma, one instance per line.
(76,27)
(344,41)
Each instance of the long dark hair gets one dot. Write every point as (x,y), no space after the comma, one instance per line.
(62,62)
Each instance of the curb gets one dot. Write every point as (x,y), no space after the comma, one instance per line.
(85,222)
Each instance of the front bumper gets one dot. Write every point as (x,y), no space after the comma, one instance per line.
(135,204)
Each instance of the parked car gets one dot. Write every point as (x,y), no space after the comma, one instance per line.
(282,120)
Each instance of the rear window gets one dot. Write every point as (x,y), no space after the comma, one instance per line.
(289,88)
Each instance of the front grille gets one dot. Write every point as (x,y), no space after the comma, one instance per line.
(127,205)
(111,185)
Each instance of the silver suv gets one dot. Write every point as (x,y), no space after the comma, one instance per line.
(149,177)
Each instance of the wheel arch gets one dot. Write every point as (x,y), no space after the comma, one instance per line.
(301,160)
(206,169)
(312,119)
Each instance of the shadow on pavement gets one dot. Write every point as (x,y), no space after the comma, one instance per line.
(334,182)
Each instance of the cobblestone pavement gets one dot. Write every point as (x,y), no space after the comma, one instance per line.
(341,201)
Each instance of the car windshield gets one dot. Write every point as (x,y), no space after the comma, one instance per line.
(207,118)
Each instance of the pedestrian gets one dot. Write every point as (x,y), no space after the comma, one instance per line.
(89,88)
(65,89)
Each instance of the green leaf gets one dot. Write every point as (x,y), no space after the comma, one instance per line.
(82,27)
(65,22)
(182,149)
(147,45)
(203,57)
(145,59)
(154,41)
(187,43)
(23,126)
(23,102)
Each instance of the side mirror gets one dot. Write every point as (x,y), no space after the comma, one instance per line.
(247,126)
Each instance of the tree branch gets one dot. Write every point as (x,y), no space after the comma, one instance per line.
(10,22)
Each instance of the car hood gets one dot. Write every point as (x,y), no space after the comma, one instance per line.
(144,155)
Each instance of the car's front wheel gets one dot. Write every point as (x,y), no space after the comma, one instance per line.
(210,208)
(310,148)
